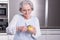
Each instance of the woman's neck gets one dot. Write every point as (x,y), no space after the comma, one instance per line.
(27,17)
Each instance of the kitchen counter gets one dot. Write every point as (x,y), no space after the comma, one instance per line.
(47,34)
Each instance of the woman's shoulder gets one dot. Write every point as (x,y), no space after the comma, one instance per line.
(35,17)
(17,16)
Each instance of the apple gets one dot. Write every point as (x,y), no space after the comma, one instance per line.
(30,27)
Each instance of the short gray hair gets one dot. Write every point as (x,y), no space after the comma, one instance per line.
(26,2)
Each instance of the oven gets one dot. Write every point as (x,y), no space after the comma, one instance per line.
(3,9)
(3,17)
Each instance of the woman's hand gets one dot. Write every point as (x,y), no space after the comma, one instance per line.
(21,28)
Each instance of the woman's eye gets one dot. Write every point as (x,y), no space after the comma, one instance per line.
(24,10)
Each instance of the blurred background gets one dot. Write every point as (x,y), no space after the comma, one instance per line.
(48,12)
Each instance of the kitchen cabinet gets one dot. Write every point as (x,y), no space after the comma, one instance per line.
(3,0)
(3,15)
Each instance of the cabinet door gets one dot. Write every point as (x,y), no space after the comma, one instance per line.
(53,14)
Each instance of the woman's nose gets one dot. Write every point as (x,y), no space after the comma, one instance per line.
(26,12)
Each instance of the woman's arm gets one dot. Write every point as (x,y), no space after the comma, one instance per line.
(21,28)
(11,29)
(37,27)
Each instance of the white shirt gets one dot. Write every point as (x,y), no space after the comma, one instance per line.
(19,20)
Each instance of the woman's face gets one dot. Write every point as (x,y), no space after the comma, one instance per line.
(26,10)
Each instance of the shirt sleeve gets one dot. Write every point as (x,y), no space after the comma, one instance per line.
(37,26)
(11,29)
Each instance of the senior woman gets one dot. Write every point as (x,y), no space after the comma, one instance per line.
(20,22)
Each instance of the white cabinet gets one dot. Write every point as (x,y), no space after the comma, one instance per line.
(3,0)
(53,37)
(3,15)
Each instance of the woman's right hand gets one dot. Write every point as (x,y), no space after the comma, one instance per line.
(21,28)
